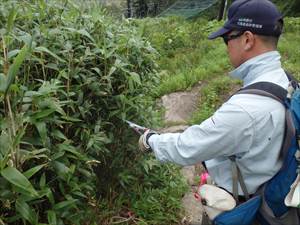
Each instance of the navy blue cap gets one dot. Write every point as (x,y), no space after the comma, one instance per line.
(258,16)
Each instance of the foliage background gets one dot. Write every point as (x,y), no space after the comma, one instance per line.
(145,8)
(69,75)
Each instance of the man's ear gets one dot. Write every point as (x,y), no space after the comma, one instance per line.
(249,40)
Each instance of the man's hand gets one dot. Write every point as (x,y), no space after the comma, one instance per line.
(143,141)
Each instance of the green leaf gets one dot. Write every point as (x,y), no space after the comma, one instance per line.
(51,217)
(43,181)
(43,114)
(64,204)
(46,50)
(112,70)
(26,38)
(13,53)
(34,154)
(2,82)
(29,173)
(136,78)
(26,212)
(52,66)
(10,21)
(15,177)
(14,68)
(58,134)
(71,119)
(57,155)
(20,134)
(61,168)
(50,197)
(57,106)
(82,32)
(85,172)
(69,148)
(42,129)
(5,143)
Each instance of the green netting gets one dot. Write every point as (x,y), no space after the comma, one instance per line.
(188,8)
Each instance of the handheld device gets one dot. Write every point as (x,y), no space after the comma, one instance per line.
(137,128)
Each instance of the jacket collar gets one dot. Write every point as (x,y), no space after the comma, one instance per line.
(250,70)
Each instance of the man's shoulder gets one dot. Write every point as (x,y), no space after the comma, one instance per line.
(253,104)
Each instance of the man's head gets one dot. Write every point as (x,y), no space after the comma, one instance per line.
(253,27)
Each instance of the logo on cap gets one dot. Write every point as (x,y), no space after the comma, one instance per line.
(246,22)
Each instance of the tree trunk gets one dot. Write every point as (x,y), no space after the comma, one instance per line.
(221,11)
(129,15)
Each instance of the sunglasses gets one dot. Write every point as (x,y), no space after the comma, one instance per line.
(227,38)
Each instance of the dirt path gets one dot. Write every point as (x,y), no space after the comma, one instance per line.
(179,108)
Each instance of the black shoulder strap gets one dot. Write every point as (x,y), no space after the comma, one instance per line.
(267,89)
(293,81)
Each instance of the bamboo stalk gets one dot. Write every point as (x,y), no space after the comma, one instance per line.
(7,99)
(6,65)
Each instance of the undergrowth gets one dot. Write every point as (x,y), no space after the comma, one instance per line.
(70,74)
(186,55)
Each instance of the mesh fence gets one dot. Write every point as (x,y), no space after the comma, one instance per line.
(188,8)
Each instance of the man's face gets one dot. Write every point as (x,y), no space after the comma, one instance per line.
(235,47)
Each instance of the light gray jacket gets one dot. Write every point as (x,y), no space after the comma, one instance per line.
(248,126)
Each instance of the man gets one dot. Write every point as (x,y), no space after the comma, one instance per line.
(249,127)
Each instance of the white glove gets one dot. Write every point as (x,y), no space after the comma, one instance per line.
(143,141)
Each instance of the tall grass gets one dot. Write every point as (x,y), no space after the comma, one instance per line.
(69,76)
(187,56)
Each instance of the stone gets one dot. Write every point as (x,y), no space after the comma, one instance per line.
(173,129)
(188,172)
(180,105)
(193,210)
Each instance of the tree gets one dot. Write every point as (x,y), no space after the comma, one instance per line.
(144,8)
(221,10)
(129,9)
(141,8)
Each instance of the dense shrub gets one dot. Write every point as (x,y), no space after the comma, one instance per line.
(69,77)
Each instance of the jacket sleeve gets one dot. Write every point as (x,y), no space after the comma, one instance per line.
(229,131)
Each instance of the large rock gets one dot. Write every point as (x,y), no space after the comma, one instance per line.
(173,129)
(189,173)
(180,105)
(193,210)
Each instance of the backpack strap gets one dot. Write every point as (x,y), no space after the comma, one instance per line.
(266,89)
(279,94)
(293,81)
(237,178)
